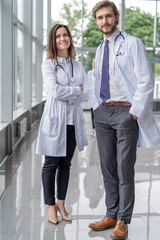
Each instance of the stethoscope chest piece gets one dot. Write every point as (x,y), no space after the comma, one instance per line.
(72,79)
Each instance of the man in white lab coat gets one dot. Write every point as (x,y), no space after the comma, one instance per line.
(123,116)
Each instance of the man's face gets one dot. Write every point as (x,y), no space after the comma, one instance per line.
(106,20)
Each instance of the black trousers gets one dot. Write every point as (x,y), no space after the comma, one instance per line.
(60,167)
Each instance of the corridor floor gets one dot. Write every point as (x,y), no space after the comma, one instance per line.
(23,214)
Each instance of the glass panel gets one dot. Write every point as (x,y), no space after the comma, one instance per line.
(156,94)
(34,17)
(139,20)
(14,66)
(58,8)
(72,16)
(34,72)
(0,60)
(15,7)
(158,27)
(20,10)
(87,58)
(45,5)
(19,89)
(43,91)
(145,5)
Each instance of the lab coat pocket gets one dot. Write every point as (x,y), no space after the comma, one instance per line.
(49,126)
(126,63)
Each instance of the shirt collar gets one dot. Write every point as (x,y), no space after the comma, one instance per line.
(63,60)
(113,36)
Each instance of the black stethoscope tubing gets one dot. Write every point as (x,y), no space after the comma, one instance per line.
(119,35)
(72,79)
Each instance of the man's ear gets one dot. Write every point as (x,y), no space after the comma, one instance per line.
(117,17)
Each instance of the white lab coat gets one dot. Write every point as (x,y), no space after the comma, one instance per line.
(91,84)
(52,131)
(134,74)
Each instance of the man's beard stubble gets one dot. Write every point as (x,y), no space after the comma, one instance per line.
(111,31)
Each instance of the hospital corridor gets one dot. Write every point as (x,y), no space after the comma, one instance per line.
(23,215)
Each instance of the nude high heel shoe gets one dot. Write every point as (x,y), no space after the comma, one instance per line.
(53,220)
(64,217)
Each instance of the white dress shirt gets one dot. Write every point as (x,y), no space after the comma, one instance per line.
(116,92)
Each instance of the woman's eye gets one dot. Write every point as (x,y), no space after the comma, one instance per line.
(64,35)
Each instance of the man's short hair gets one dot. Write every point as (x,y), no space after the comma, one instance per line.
(102,4)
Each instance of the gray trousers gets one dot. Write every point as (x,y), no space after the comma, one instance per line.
(117,135)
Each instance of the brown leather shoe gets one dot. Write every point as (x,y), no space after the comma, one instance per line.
(105,223)
(120,232)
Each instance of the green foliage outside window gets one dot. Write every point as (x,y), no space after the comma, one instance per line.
(137,23)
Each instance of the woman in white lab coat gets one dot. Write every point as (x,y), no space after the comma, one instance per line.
(62,125)
(91,83)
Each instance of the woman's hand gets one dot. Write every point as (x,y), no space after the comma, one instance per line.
(81,88)
(62,100)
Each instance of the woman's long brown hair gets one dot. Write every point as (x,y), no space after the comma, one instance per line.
(51,44)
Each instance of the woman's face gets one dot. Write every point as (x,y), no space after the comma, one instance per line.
(62,39)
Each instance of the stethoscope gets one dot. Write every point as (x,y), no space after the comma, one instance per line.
(121,50)
(71,79)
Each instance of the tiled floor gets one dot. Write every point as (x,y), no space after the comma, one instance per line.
(22,211)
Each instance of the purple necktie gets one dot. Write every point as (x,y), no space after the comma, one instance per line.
(104,92)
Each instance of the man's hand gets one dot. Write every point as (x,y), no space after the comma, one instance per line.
(134,117)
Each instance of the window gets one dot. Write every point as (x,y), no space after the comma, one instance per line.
(17,53)
(0,59)
(34,72)
(20,10)
(19,67)
(34,52)
(34,18)
(45,17)
(45,5)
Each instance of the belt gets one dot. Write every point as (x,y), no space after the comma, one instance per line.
(126,104)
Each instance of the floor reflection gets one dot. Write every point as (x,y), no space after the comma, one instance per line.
(22,211)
